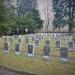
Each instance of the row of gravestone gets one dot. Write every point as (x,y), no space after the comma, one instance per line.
(71,45)
(46,51)
(57,43)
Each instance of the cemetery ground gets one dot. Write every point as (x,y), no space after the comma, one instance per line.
(37,64)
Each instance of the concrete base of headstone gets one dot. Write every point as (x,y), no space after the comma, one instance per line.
(5,51)
(36,46)
(46,57)
(30,54)
(70,49)
(17,53)
(57,48)
(64,59)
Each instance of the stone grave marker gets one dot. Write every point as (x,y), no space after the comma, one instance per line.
(36,43)
(73,41)
(30,50)
(57,44)
(46,50)
(6,44)
(70,46)
(64,54)
(18,45)
(17,49)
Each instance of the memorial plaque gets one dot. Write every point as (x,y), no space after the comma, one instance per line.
(64,54)
(5,47)
(73,41)
(6,44)
(70,46)
(30,50)
(57,44)
(46,50)
(37,43)
(47,43)
(17,49)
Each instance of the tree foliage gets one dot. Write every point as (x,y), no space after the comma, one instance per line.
(30,20)
(61,12)
(11,23)
(64,13)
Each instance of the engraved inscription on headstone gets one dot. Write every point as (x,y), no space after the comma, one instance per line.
(17,49)
(46,50)
(6,47)
(30,50)
(64,54)
(73,41)
(36,43)
(6,44)
(57,44)
(70,46)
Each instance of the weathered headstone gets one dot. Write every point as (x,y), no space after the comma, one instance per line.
(27,39)
(57,44)
(64,54)
(6,44)
(70,46)
(36,43)
(73,41)
(18,45)
(30,50)
(56,37)
(17,49)
(46,50)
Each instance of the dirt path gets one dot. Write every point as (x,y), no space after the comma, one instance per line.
(9,72)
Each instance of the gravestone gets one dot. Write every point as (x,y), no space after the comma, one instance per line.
(46,50)
(56,37)
(27,39)
(64,54)
(73,41)
(6,44)
(57,44)
(30,50)
(17,49)
(36,43)
(18,45)
(70,46)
